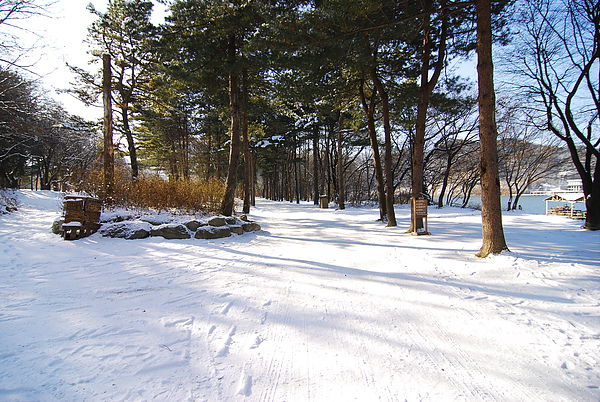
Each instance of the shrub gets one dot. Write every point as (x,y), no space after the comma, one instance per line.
(8,201)
(154,192)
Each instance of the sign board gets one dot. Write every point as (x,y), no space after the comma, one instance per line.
(420,207)
(419,216)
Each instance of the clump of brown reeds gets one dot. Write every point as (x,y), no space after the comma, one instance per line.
(154,192)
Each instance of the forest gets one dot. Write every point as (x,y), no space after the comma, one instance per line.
(361,101)
(300,200)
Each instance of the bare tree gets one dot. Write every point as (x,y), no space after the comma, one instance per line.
(526,154)
(454,123)
(558,59)
(12,12)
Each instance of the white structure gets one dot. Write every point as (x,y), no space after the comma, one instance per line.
(565,210)
(574,185)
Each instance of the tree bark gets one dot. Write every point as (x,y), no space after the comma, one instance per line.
(592,201)
(327,166)
(340,166)
(109,152)
(445,181)
(389,180)
(369,109)
(426,88)
(316,165)
(135,171)
(246,146)
(234,151)
(295,166)
(491,214)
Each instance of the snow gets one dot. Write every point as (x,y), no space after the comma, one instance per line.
(319,305)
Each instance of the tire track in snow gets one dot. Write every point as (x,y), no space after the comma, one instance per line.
(277,357)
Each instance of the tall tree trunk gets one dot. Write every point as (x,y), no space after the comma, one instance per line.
(109,152)
(316,165)
(246,146)
(426,88)
(389,179)
(445,182)
(234,152)
(327,168)
(184,151)
(592,200)
(130,143)
(491,214)
(340,166)
(369,109)
(253,182)
(295,166)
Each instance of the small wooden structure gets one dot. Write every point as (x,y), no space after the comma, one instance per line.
(82,216)
(324,202)
(565,210)
(419,216)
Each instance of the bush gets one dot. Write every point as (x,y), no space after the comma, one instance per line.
(8,201)
(154,192)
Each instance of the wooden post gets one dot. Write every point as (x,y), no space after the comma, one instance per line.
(109,155)
(419,216)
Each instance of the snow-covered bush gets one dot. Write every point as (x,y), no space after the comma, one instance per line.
(8,202)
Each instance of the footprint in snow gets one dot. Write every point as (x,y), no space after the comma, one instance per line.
(227,307)
(256,343)
(245,384)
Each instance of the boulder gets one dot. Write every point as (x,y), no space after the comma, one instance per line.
(57,225)
(108,217)
(230,220)
(217,221)
(170,231)
(155,220)
(250,227)
(237,229)
(126,230)
(212,232)
(194,225)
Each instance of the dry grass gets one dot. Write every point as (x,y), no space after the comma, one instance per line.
(153,192)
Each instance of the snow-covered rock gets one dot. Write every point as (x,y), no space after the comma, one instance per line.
(193,225)
(170,231)
(217,221)
(212,232)
(250,227)
(126,230)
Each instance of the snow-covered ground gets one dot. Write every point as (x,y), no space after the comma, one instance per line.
(321,305)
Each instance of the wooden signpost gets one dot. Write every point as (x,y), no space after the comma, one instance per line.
(419,216)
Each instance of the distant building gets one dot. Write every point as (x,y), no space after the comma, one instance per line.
(574,186)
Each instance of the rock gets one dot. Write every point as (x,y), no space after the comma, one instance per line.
(170,231)
(155,220)
(108,217)
(138,234)
(194,225)
(212,232)
(57,225)
(230,220)
(250,227)
(126,230)
(217,221)
(11,209)
(237,229)
(244,218)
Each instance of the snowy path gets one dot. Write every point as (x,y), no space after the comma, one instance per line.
(322,305)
